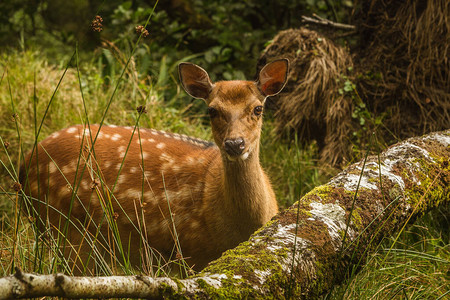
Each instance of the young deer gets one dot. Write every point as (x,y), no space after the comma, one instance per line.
(178,195)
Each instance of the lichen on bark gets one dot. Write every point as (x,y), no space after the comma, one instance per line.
(308,248)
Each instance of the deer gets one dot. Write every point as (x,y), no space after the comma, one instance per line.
(180,196)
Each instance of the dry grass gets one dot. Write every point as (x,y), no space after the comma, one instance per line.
(407,44)
(399,86)
(311,105)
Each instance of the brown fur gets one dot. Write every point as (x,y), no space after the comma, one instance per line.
(215,201)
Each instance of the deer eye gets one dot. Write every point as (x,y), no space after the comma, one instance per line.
(212,112)
(258,110)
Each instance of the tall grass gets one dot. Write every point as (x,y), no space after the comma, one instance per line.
(418,266)
(30,94)
(415,266)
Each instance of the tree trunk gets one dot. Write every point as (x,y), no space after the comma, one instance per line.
(304,250)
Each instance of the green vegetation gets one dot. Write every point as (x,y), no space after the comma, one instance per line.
(413,267)
(81,78)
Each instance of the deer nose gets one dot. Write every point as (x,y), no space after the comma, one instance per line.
(234,147)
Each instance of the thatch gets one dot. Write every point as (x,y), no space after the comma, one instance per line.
(311,105)
(401,71)
(407,43)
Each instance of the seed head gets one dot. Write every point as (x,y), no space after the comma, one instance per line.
(96,24)
(95,183)
(141,30)
(17,186)
(141,109)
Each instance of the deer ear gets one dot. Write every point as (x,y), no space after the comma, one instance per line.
(195,80)
(272,78)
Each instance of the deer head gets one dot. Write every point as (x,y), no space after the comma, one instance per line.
(235,107)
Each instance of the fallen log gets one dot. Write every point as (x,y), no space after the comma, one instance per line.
(303,251)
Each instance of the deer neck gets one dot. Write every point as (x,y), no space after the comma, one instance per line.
(248,194)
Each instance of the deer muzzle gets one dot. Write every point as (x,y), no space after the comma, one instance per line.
(234,147)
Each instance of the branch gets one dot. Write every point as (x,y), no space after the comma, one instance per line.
(306,249)
(317,20)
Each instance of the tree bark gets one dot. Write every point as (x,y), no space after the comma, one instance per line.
(303,251)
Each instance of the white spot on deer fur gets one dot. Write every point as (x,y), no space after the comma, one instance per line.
(64,191)
(133,193)
(145,155)
(54,135)
(177,136)
(194,225)
(87,131)
(51,167)
(68,168)
(149,197)
(133,170)
(147,175)
(122,179)
(107,164)
(154,132)
(333,216)
(118,166)
(151,140)
(168,159)
(160,145)
(84,185)
(71,130)
(108,136)
(121,149)
(116,137)
(112,126)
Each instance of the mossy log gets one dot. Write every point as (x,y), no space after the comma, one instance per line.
(304,250)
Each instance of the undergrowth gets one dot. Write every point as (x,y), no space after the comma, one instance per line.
(32,93)
(416,266)
(416,269)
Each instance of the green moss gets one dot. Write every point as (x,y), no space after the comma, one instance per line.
(428,177)
(356,218)
(302,212)
(244,262)
(268,224)
(323,192)
(166,290)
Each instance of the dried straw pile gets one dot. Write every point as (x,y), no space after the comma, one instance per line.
(311,105)
(401,71)
(408,44)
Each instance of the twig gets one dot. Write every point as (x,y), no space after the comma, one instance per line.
(324,22)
